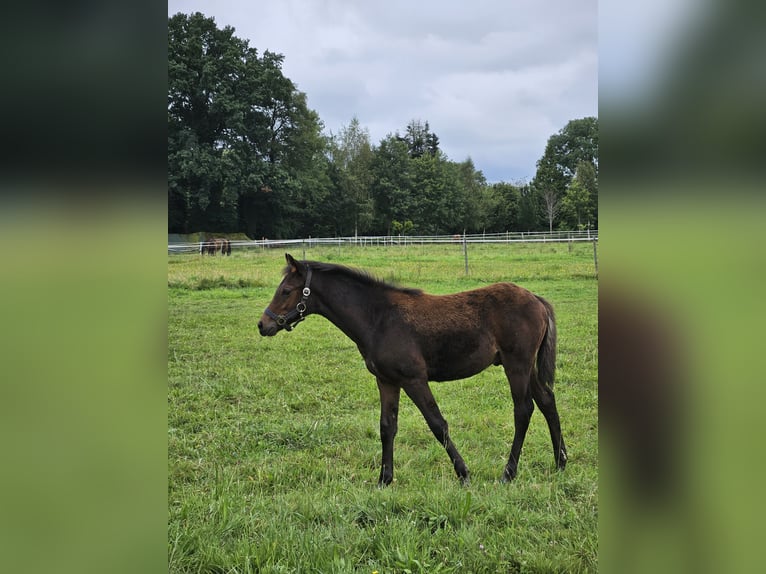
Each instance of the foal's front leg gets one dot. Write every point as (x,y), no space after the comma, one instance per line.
(389,417)
(421,395)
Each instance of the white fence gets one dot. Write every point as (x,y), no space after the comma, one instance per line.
(509,237)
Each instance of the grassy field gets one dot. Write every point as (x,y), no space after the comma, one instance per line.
(273,447)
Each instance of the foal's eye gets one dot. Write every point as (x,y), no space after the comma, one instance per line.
(285,291)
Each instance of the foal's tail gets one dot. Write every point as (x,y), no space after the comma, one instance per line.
(546,354)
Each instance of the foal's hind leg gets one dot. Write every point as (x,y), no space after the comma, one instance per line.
(523,407)
(421,395)
(545,399)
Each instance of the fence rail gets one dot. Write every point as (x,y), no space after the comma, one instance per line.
(383,240)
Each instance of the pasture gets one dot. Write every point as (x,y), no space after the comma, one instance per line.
(273,444)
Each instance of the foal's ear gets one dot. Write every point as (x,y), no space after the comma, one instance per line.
(294,266)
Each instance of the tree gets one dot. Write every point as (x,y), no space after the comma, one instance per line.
(530,208)
(285,150)
(391,185)
(501,207)
(203,63)
(243,146)
(577,204)
(433,195)
(413,180)
(469,183)
(420,140)
(552,203)
(575,143)
(402,227)
(351,155)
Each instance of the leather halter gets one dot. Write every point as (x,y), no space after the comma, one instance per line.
(289,320)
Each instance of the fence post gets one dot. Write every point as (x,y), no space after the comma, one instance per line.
(595,256)
(465,251)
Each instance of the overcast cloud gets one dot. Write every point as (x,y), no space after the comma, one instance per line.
(494,79)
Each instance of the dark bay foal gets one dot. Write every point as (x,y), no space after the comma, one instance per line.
(408,338)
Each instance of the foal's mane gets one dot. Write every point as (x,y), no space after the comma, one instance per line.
(357,275)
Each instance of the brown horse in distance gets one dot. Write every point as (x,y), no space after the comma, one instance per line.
(408,338)
(213,246)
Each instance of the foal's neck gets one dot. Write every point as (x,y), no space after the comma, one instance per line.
(350,306)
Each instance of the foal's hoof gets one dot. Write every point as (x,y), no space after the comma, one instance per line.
(385,480)
(508,476)
(465,480)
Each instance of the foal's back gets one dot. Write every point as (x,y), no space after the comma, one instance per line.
(461,334)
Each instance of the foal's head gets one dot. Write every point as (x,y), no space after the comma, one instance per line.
(288,306)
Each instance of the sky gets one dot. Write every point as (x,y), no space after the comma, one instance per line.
(494,79)
(637,42)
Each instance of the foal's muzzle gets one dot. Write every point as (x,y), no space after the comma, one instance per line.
(267,330)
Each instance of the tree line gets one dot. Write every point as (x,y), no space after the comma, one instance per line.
(246,154)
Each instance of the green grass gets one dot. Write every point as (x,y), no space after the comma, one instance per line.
(273,447)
